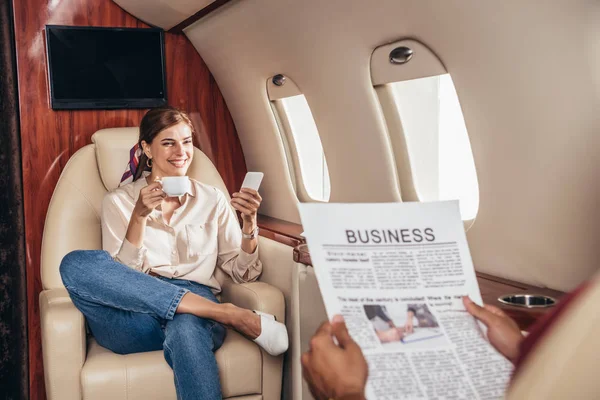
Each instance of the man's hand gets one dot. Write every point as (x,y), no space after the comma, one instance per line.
(503,332)
(335,371)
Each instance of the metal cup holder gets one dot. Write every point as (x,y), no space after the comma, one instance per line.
(527,300)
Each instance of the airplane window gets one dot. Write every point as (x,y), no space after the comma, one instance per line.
(311,159)
(437,141)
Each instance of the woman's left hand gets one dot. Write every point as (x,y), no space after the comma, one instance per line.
(247,201)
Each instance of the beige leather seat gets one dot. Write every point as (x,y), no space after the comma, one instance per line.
(75,366)
(565,363)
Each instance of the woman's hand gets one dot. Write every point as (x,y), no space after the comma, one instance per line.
(247,201)
(503,332)
(335,371)
(150,197)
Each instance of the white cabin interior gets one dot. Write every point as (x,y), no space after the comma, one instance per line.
(498,105)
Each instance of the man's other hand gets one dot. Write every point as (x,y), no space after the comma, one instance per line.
(335,371)
(503,332)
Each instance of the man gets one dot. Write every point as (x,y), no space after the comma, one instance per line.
(340,371)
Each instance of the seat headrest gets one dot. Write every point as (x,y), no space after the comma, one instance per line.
(112,153)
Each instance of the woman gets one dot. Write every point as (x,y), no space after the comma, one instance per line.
(153,287)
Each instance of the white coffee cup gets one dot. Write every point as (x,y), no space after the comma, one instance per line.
(175,185)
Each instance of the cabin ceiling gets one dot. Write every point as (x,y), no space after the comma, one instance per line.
(528,79)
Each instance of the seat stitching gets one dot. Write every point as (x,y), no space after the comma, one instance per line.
(84,197)
(256,296)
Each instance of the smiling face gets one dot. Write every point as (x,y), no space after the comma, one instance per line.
(171,151)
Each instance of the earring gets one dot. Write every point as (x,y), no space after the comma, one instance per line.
(149,162)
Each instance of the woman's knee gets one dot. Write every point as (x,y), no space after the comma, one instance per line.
(74,264)
(70,266)
(187,329)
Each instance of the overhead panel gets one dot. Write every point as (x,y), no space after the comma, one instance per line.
(402,61)
(165,14)
(281,86)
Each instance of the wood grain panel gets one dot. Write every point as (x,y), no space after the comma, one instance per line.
(491,288)
(280,231)
(49,138)
(276,236)
(301,255)
(205,11)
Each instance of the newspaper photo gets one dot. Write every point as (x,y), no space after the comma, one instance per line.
(397,273)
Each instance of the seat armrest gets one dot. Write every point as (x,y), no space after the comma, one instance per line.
(255,296)
(269,299)
(63,344)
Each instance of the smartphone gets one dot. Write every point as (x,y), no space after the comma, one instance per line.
(253,180)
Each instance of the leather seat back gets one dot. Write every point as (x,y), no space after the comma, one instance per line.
(565,363)
(73,218)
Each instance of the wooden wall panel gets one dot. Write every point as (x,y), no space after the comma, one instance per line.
(49,138)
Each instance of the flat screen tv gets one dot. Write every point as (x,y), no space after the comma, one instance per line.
(105,68)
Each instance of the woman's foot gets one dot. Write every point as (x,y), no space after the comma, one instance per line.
(261,328)
(247,323)
(273,336)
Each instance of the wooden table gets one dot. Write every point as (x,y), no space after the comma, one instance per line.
(492,287)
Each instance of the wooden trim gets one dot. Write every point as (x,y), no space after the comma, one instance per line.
(301,255)
(281,231)
(190,20)
(288,241)
(491,288)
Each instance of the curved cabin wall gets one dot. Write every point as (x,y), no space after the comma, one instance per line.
(49,138)
(527,81)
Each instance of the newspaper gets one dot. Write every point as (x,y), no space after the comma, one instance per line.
(397,273)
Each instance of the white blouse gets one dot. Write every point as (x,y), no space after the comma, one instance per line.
(203,234)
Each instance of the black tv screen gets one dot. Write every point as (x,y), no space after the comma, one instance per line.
(105,68)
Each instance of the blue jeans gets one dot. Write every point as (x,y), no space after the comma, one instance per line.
(129,312)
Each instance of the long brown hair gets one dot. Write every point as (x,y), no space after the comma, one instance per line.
(154,122)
